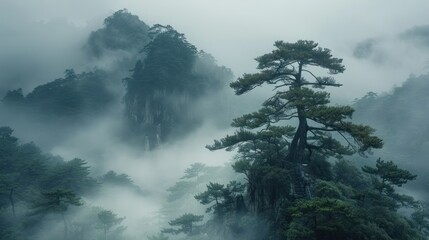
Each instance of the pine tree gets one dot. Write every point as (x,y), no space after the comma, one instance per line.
(186,224)
(57,202)
(287,69)
(107,219)
(270,142)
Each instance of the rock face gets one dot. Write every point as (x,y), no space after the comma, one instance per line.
(165,87)
(162,97)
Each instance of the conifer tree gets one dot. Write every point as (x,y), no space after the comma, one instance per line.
(107,219)
(289,69)
(296,125)
(389,174)
(186,224)
(57,202)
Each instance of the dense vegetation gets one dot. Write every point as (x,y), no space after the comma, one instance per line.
(293,176)
(73,97)
(163,97)
(401,120)
(121,32)
(39,190)
(294,187)
(162,94)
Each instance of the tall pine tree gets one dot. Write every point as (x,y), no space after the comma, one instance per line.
(297,125)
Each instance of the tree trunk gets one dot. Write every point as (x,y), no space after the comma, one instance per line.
(299,142)
(298,145)
(296,152)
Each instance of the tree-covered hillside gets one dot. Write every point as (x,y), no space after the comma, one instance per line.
(121,32)
(45,197)
(73,97)
(170,91)
(145,104)
(163,93)
(297,183)
(401,119)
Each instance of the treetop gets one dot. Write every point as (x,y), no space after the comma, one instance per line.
(284,65)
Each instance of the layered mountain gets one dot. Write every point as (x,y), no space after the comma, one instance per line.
(401,118)
(121,32)
(71,97)
(161,98)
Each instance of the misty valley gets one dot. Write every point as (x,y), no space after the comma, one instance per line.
(151,138)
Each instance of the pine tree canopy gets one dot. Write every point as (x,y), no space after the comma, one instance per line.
(322,127)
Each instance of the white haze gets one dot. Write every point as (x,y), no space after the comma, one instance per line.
(39,38)
(42,38)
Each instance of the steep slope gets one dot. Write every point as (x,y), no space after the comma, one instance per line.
(400,118)
(171,88)
(166,87)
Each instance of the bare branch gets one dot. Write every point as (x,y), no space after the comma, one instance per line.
(350,144)
(307,71)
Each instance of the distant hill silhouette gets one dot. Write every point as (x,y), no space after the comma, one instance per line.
(401,119)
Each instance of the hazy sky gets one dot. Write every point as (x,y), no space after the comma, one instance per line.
(41,38)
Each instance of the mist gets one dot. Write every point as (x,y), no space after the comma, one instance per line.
(238,39)
(381,43)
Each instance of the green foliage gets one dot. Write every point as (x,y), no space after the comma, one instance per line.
(403,125)
(194,170)
(277,66)
(121,31)
(37,190)
(387,223)
(56,201)
(107,220)
(390,175)
(347,173)
(185,223)
(14,97)
(298,231)
(325,189)
(112,178)
(320,168)
(22,169)
(223,198)
(73,96)
(325,218)
(115,178)
(214,193)
(387,176)
(164,87)
(73,175)
(287,68)
(290,181)
(421,218)
(272,152)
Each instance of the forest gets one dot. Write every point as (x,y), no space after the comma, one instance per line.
(148,137)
